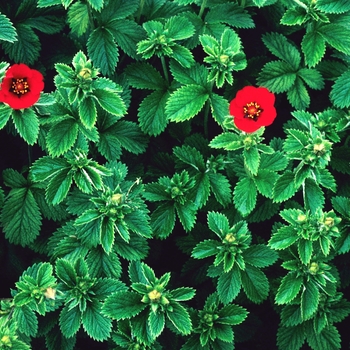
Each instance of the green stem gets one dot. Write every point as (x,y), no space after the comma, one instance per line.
(165,71)
(203,6)
(206,112)
(91,18)
(243,3)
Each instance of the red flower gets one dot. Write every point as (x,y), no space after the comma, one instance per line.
(253,108)
(21,86)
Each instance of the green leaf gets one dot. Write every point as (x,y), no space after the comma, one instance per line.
(47,167)
(180,318)
(333,6)
(229,285)
(283,238)
(152,116)
(291,338)
(70,320)
(103,50)
(27,124)
(118,9)
(156,323)
(5,114)
(102,264)
(218,223)
(255,284)
(136,249)
(66,273)
(127,34)
(312,78)
(88,112)
(182,294)
(227,140)
(78,18)
(26,320)
(122,305)
(259,255)
(204,249)
(14,179)
(107,234)
(313,46)
(279,46)
(273,162)
(186,102)
(337,36)
(182,55)
(251,159)
(144,76)
(110,101)
(341,205)
(62,136)
(264,181)
(59,186)
(97,326)
(179,28)
(327,339)
(130,136)
(20,217)
(244,195)
(230,13)
(109,146)
(163,220)
(340,93)
(277,76)
(305,250)
(294,16)
(232,315)
(219,107)
(310,297)
(284,187)
(187,214)
(221,188)
(27,47)
(289,288)
(47,3)
(96,4)
(7,30)
(191,156)
(313,195)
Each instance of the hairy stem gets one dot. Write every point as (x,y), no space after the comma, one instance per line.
(203,6)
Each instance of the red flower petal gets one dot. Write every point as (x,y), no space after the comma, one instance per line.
(265,115)
(33,78)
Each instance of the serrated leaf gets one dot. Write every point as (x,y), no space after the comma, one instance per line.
(104,265)
(265,180)
(341,205)
(62,136)
(5,114)
(336,36)
(313,46)
(20,217)
(245,195)
(313,197)
(251,158)
(191,156)
(312,78)
(294,16)
(103,50)
(305,250)
(277,76)
(88,112)
(273,162)
(127,34)
(14,179)
(255,284)
(227,140)
(290,338)
(7,30)
(182,55)
(78,18)
(232,315)
(27,124)
(182,294)
(107,234)
(283,238)
(340,93)
(96,4)
(229,285)
(47,3)
(221,188)
(152,116)
(186,102)
(289,288)
(327,339)
(136,249)
(310,297)
(122,305)
(218,223)
(179,28)
(279,46)
(96,325)
(187,214)
(219,107)
(26,320)
(70,320)
(284,187)
(144,76)
(180,318)
(109,146)
(259,255)
(110,101)
(230,13)
(204,249)
(59,186)
(27,47)
(333,6)
(156,323)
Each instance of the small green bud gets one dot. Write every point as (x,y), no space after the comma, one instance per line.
(313,268)
(229,238)
(85,73)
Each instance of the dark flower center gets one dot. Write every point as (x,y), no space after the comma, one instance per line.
(252,110)
(19,86)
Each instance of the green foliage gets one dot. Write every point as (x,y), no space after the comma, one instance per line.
(129,166)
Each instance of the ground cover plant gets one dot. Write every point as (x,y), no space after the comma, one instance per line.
(174,174)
